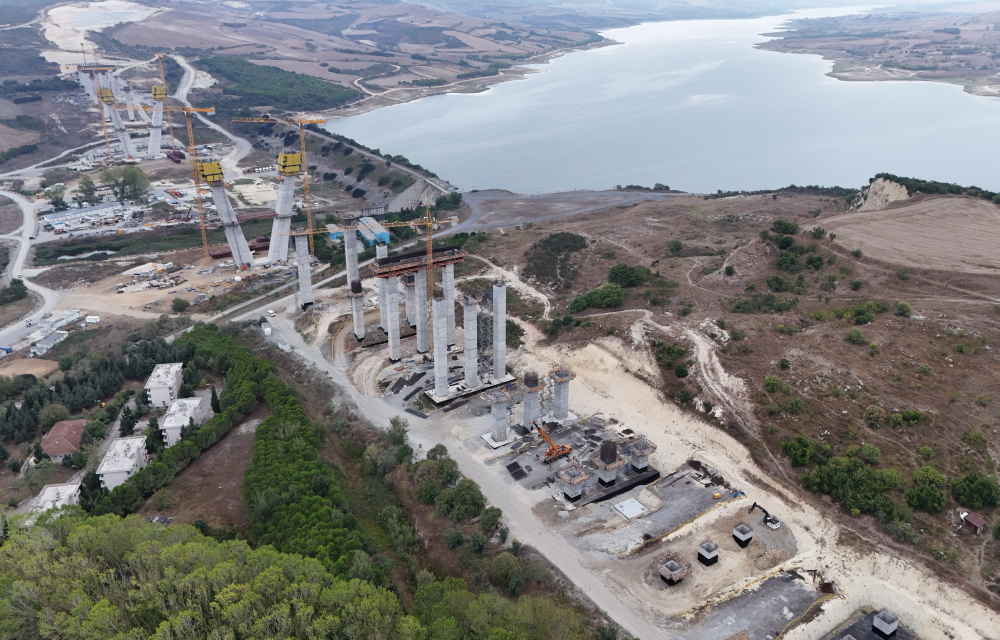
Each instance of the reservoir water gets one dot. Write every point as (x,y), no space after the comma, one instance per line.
(692,105)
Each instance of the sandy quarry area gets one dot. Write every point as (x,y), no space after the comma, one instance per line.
(912,234)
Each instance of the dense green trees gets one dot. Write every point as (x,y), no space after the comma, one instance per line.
(626,276)
(926,494)
(254,85)
(106,577)
(101,378)
(610,295)
(975,491)
(127,183)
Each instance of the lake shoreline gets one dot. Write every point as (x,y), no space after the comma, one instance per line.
(402,95)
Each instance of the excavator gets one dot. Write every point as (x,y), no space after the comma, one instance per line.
(769,520)
(555,451)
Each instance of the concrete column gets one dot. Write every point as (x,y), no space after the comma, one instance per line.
(560,400)
(351,252)
(470,311)
(440,348)
(409,283)
(499,330)
(498,413)
(155,129)
(381,251)
(531,408)
(357,297)
(119,126)
(420,297)
(234,234)
(392,318)
(305,276)
(278,250)
(448,284)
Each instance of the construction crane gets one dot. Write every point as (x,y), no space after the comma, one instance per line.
(769,520)
(555,451)
(305,165)
(170,120)
(188,114)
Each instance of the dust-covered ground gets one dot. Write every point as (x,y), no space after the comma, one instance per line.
(931,365)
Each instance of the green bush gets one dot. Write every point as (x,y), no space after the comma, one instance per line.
(626,276)
(800,451)
(453,538)
(853,485)
(901,308)
(874,416)
(772,384)
(490,519)
(680,370)
(928,476)
(975,491)
(927,498)
(854,336)
(610,295)
(784,227)
(870,453)
(477,543)
(784,364)
(505,571)
(926,452)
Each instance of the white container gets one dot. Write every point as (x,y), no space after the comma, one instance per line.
(93,319)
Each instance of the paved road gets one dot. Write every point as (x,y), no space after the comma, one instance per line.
(517,514)
(241,147)
(50,298)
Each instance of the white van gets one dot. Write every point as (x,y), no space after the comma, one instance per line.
(270,314)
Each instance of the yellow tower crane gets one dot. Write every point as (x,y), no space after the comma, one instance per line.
(162,91)
(188,114)
(305,166)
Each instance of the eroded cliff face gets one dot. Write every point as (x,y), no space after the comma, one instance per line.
(879,194)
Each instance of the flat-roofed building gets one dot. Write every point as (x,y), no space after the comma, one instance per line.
(179,415)
(164,384)
(372,231)
(54,496)
(124,458)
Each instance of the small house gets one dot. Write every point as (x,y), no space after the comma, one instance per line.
(63,439)
(975,522)
(50,340)
(164,384)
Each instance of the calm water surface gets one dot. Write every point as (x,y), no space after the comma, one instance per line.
(695,106)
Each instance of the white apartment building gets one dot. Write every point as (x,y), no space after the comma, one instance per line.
(178,416)
(125,457)
(164,384)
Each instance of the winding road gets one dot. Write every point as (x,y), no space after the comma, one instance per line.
(12,333)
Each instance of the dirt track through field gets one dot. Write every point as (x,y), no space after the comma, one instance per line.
(949,234)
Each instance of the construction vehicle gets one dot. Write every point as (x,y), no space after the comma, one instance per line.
(769,520)
(555,451)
